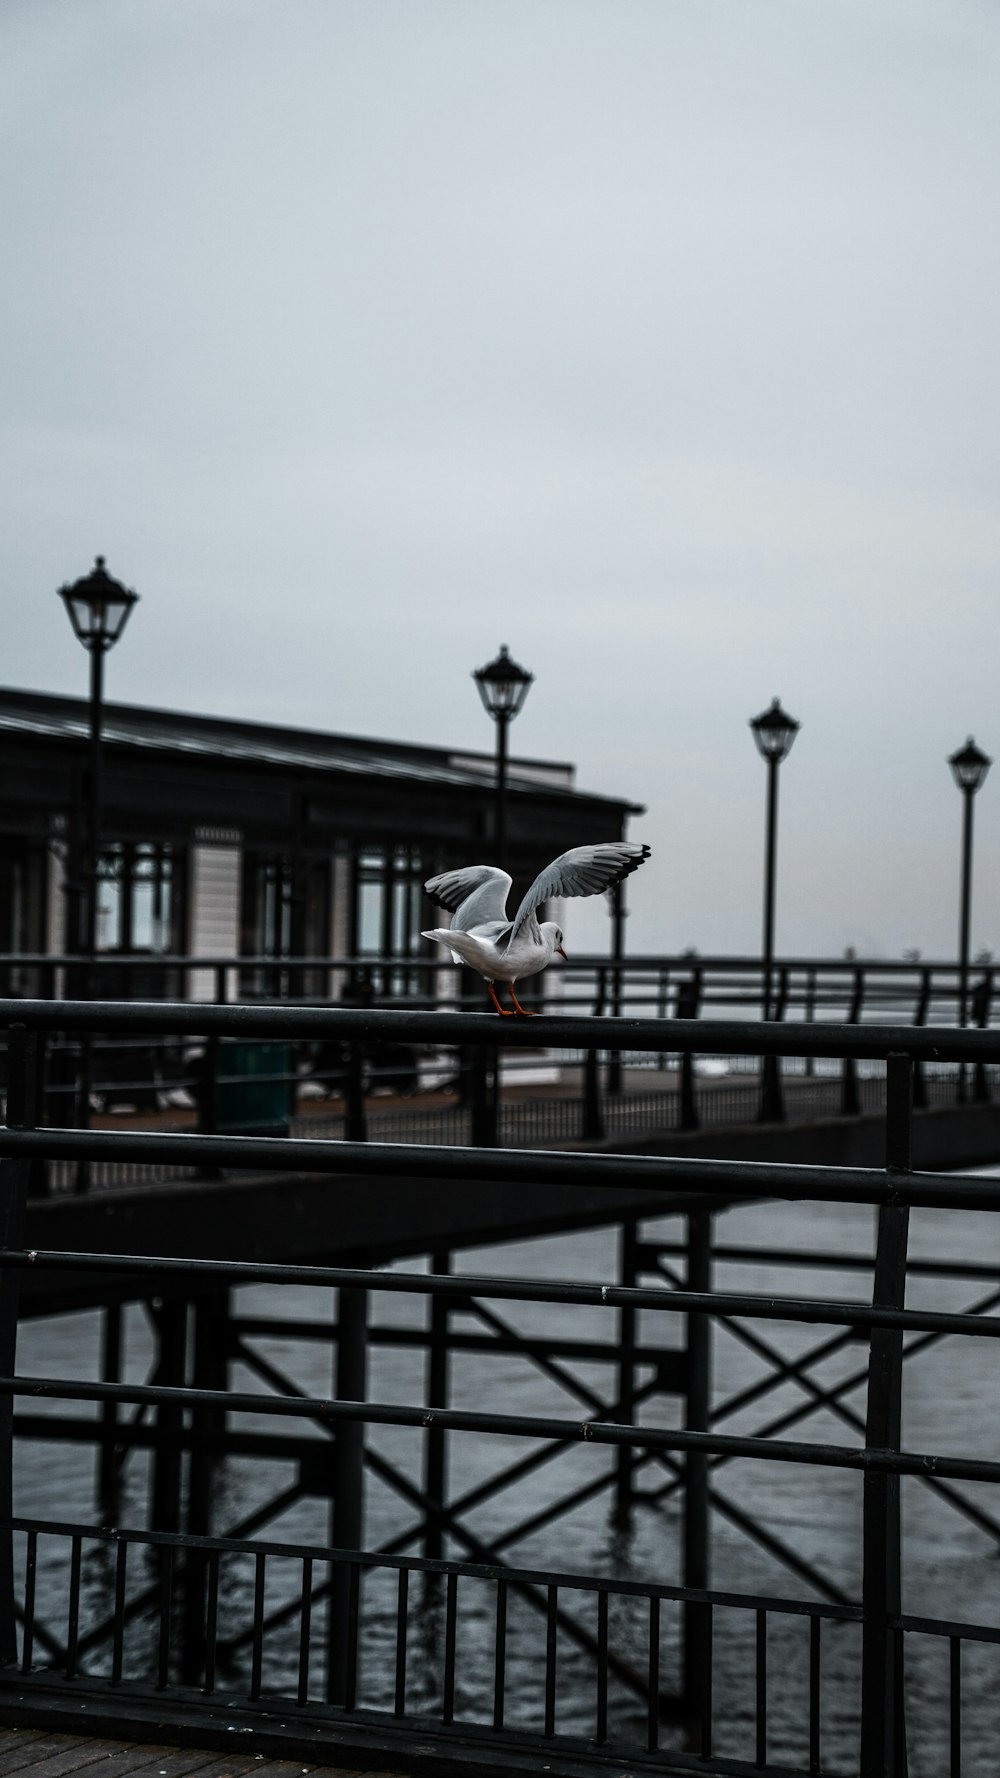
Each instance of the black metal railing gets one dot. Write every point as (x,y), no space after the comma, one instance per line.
(850,990)
(246,1069)
(183,1619)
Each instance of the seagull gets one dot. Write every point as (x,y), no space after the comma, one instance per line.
(504,950)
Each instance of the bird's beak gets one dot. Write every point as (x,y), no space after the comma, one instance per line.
(562,952)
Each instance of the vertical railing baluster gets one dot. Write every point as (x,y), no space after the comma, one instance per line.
(356,1121)
(435,1445)
(485,1073)
(653,1694)
(118,1647)
(353,1636)
(257,1644)
(850,1098)
(593,1114)
(920,1013)
(696,1659)
(399,1700)
(955,1706)
(706,1720)
(347,1508)
(601,1724)
(212,1620)
(625,1455)
(551,1625)
(305,1629)
(814,1685)
(108,1460)
(881,1752)
(73,1614)
(500,1657)
(760,1750)
(450,1616)
(166,1554)
(30,1569)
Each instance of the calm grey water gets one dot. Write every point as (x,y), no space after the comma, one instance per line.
(950,1564)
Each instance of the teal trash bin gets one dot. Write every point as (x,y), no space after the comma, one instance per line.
(251,1089)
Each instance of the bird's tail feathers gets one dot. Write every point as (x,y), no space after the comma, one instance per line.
(442,936)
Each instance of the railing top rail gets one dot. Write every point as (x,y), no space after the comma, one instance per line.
(709,1037)
(677,1177)
(871,1459)
(660,1298)
(584,961)
(371,1559)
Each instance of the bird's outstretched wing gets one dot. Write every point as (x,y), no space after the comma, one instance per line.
(473,896)
(585,870)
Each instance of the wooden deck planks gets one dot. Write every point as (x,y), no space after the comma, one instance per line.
(35,1753)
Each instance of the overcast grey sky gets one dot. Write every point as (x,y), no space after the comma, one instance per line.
(655,338)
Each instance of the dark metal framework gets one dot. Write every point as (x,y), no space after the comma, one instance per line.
(206,1663)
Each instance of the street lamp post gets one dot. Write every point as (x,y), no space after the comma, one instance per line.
(503,687)
(99,609)
(969,768)
(774,732)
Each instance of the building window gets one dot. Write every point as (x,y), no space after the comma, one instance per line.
(285,913)
(266,924)
(22,911)
(388,910)
(140,900)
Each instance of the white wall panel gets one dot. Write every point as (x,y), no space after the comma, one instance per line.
(214,923)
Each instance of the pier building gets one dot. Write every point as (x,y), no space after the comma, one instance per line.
(244,838)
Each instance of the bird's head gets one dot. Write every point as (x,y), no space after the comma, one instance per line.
(554,938)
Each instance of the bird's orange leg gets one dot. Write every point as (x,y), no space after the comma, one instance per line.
(523,1009)
(504,1011)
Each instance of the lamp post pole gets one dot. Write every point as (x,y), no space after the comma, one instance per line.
(969,767)
(773,731)
(770,859)
(93,843)
(503,687)
(98,609)
(963,935)
(500,840)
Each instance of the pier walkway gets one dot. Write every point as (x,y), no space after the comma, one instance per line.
(37,1753)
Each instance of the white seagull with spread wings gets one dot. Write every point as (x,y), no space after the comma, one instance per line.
(504,950)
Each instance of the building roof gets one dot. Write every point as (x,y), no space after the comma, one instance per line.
(172,733)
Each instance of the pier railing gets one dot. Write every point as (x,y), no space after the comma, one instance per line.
(289,1068)
(685,985)
(312,1646)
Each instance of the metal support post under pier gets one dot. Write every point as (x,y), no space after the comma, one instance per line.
(347,1509)
(697,1670)
(883,1736)
(435,1448)
(627,1318)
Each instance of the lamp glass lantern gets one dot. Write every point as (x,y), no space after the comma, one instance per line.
(970,766)
(98,608)
(503,686)
(774,731)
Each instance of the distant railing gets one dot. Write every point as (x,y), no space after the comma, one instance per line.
(852,990)
(331,1703)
